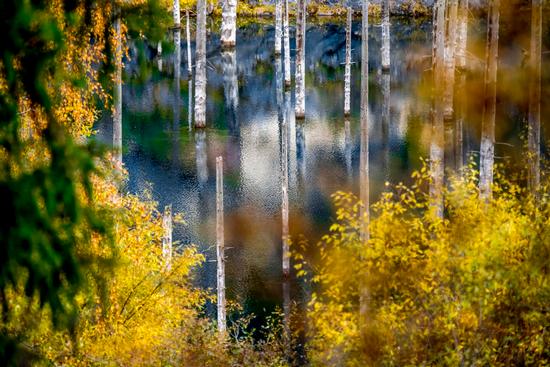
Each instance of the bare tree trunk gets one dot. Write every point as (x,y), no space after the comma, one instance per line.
(286,38)
(117,95)
(487,149)
(462,35)
(177,58)
(347,74)
(188,34)
(176,13)
(364,157)
(437,156)
(278,26)
(167,238)
(300,108)
(200,70)
(286,319)
(229,23)
(220,247)
(450,58)
(386,60)
(535,95)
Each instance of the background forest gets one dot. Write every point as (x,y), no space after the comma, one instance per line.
(447,270)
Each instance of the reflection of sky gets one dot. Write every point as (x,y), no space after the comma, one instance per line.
(180,165)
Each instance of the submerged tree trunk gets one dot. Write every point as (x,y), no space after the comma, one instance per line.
(229,23)
(286,38)
(188,35)
(364,158)
(348,148)
(437,155)
(450,58)
(462,35)
(535,95)
(117,95)
(300,108)
(176,13)
(487,149)
(220,246)
(278,26)
(386,60)
(347,73)
(167,238)
(200,70)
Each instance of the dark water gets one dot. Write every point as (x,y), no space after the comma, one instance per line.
(162,153)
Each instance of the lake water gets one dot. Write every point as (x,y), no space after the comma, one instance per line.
(163,153)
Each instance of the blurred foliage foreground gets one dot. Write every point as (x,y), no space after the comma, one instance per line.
(82,281)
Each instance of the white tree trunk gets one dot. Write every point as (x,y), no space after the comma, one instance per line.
(459,125)
(176,13)
(437,155)
(167,238)
(286,37)
(220,247)
(535,96)
(190,102)
(386,61)
(117,95)
(487,149)
(347,72)
(200,71)
(450,58)
(159,55)
(278,26)
(188,35)
(462,35)
(229,23)
(300,108)
(284,192)
(177,58)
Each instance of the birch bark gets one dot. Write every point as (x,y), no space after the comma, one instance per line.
(535,95)
(200,70)
(220,246)
(347,73)
(278,26)
(386,61)
(229,23)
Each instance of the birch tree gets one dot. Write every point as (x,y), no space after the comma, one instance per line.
(386,61)
(220,247)
(450,58)
(487,149)
(535,95)
(347,73)
(200,70)
(188,40)
(462,34)
(278,26)
(286,37)
(300,108)
(176,13)
(167,238)
(229,23)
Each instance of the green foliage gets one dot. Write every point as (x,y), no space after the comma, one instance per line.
(472,288)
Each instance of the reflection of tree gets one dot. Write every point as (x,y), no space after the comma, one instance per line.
(487,149)
(117,95)
(535,95)
(386,105)
(201,156)
(348,148)
(438,125)
(230,88)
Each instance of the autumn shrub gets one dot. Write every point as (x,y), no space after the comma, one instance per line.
(471,288)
